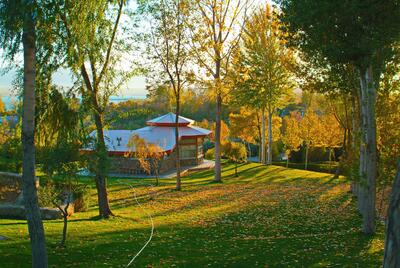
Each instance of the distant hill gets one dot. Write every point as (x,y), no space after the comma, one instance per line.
(8,101)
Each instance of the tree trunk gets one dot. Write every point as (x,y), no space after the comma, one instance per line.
(64,237)
(33,216)
(287,161)
(157,172)
(269,149)
(263,136)
(35,224)
(101,169)
(368,154)
(306,162)
(392,242)
(217,177)
(178,159)
(355,182)
(236,173)
(64,212)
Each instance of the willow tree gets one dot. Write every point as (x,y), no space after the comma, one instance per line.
(216,28)
(168,40)
(18,23)
(262,68)
(361,33)
(94,42)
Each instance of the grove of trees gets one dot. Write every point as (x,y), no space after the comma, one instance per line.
(300,81)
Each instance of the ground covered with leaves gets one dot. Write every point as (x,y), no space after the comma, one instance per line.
(265,217)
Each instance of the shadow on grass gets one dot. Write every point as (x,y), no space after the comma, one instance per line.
(274,219)
(243,238)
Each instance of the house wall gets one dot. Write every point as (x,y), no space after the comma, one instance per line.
(131,166)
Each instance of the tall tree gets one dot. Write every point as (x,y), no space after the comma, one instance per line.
(216,28)
(93,46)
(170,47)
(331,133)
(245,125)
(359,32)
(147,154)
(18,17)
(310,128)
(29,180)
(263,71)
(392,240)
(291,136)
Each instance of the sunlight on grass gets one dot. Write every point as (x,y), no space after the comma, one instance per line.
(267,216)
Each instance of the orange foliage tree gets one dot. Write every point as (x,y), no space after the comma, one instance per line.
(310,129)
(245,125)
(147,154)
(291,135)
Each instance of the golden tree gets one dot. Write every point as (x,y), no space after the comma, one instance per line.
(224,132)
(310,132)
(216,28)
(291,135)
(147,154)
(331,133)
(235,152)
(245,125)
(262,71)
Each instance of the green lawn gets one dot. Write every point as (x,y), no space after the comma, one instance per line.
(266,217)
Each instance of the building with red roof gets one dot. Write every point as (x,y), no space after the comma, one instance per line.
(159,131)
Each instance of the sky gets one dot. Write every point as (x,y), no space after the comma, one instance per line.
(135,87)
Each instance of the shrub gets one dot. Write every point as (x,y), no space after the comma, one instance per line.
(46,192)
(325,167)
(235,152)
(210,154)
(81,196)
(50,190)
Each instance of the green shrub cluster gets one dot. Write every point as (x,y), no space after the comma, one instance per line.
(50,191)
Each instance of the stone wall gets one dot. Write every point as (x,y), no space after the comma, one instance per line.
(131,166)
(11,202)
(11,186)
(11,211)
(168,163)
(125,165)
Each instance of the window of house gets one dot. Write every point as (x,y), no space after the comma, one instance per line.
(187,151)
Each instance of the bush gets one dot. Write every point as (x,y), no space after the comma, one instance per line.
(210,154)
(49,191)
(81,196)
(235,152)
(324,167)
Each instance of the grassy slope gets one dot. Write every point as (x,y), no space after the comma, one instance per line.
(272,216)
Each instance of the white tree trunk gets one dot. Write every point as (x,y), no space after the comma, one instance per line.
(269,149)
(392,242)
(354,129)
(368,160)
(217,134)
(262,136)
(177,147)
(29,190)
